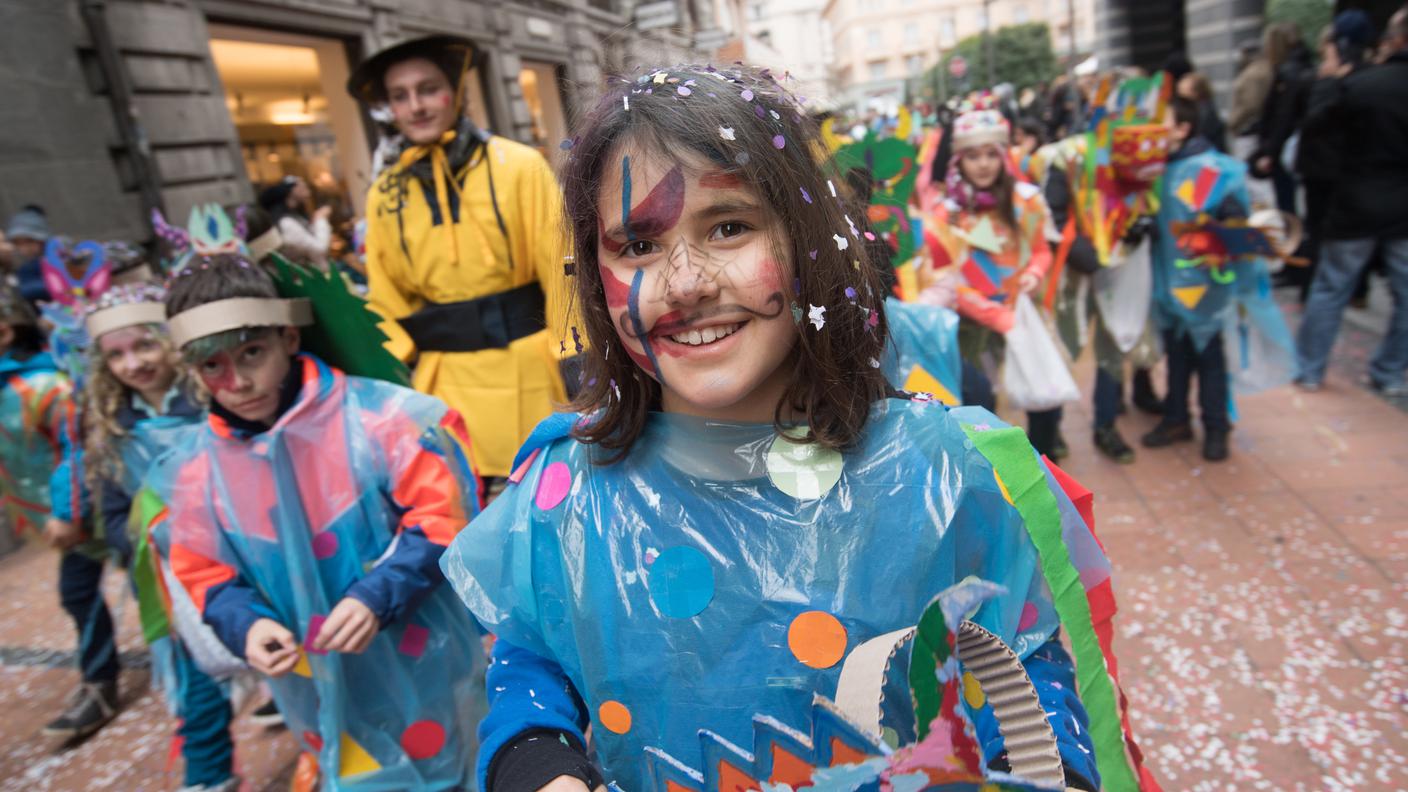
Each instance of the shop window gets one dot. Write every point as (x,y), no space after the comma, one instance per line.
(542,93)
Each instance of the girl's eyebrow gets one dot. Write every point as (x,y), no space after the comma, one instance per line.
(613,236)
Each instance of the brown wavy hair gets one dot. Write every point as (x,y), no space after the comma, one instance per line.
(682,112)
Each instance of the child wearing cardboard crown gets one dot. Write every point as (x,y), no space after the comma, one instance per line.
(742,500)
(306,521)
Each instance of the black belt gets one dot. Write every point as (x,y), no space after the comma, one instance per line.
(491,322)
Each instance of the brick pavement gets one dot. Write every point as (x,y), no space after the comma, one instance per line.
(1264,632)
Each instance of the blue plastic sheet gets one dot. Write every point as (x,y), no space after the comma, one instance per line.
(669,584)
(303,511)
(922,337)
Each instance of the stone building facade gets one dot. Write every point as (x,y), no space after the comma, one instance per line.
(113,107)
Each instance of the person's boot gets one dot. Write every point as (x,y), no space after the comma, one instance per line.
(1109,442)
(1168,434)
(267,715)
(1144,397)
(90,708)
(1215,445)
(1059,449)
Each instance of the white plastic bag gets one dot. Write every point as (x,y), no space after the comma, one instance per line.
(1035,376)
(1123,293)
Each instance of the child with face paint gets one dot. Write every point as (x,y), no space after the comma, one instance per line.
(991,235)
(139,404)
(306,520)
(737,470)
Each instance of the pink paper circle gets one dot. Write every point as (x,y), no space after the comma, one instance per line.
(423,739)
(325,545)
(1029,616)
(553,486)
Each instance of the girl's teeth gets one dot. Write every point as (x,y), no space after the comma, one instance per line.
(706,336)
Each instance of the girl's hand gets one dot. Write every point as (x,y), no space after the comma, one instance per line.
(568,784)
(61,534)
(1027,282)
(270,648)
(350,628)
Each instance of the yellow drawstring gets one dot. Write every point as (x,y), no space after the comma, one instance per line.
(440,167)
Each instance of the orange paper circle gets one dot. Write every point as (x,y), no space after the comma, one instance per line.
(614,716)
(817,639)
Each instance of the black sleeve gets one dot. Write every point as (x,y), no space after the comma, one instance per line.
(115,507)
(538,756)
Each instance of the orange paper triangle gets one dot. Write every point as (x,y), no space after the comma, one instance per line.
(1190,296)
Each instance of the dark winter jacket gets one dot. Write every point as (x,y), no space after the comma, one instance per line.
(1370,109)
(1285,105)
(31,280)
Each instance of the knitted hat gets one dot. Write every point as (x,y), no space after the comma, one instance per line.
(980,128)
(28,223)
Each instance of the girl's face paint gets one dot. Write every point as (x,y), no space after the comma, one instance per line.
(137,359)
(692,282)
(246,380)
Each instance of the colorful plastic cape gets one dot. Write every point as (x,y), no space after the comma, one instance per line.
(303,511)
(891,165)
(731,568)
(35,409)
(838,752)
(922,355)
(1199,277)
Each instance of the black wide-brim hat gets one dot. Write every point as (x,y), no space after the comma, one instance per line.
(453,54)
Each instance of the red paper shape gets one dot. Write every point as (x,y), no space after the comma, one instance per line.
(423,739)
(413,640)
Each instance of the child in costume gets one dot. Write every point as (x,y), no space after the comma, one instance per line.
(738,501)
(1194,293)
(37,425)
(139,404)
(991,233)
(306,521)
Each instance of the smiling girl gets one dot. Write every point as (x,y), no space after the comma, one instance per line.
(139,404)
(991,235)
(738,501)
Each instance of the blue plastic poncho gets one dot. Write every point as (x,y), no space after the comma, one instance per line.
(1190,297)
(923,341)
(320,503)
(720,571)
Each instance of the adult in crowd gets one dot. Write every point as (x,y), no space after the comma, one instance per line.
(307,236)
(28,231)
(1194,86)
(465,252)
(1292,74)
(1366,210)
(1344,49)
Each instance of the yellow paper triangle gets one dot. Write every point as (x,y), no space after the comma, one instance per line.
(355,759)
(1185,193)
(921,381)
(1003,487)
(1190,296)
(303,669)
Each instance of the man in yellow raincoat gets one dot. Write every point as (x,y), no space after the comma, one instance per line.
(465,244)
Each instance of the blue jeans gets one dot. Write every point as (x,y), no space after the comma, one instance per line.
(80,593)
(1341,262)
(1108,393)
(205,724)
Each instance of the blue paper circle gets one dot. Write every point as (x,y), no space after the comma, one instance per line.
(681,582)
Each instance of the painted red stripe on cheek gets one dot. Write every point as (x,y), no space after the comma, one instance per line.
(616,290)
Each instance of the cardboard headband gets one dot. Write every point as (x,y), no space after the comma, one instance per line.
(264,244)
(235,314)
(119,317)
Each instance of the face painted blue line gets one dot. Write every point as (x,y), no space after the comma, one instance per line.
(633,308)
(626,196)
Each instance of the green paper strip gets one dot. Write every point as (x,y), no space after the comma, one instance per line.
(1008,451)
(929,652)
(156,622)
